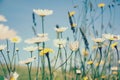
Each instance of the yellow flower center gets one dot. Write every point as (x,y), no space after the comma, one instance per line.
(90,62)
(14,39)
(101,5)
(72,13)
(12,78)
(45,51)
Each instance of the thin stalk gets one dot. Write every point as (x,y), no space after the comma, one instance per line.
(97,68)
(47,55)
(13,56)
(63,62)
(8,54)
(66,63)
(37,72)
(57,57)
(43,58)
(29,72)
(2,67)
(5,61)
(31,63)
(106,58)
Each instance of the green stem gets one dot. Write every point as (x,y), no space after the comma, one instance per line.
(97,68)
(47,55)
(2,67)
(42,24)
(29,72)
(31,63)
(106,58)
(37,72)
(57,57)
(64,62)
(13,56)
(5,61)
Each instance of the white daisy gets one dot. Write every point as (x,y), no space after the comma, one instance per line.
(43,12)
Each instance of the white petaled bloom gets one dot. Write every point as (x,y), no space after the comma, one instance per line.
(43,35)
(61,29)
(15,39)
(60,43)
(111,37)
(27,61)
(2,47)
(74,45)
(43,12)
(30,48)
(6,33)
(78,71)
(12,76)
(2,18)
(37,40)
(98,40)
(114,68)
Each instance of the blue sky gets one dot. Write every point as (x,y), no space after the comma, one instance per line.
(19,16)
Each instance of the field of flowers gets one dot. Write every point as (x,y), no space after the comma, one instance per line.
(90,53)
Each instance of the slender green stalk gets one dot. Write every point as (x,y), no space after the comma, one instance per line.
(47,55)
(43,57)
(2,68)
(64,62)
(65,65)
(83,66)
(106,58)
(8,54)
(102,20)
(13,56)
(97,68)
(29,72)
(5,61)
(38,65)
(57,57)
(31,63)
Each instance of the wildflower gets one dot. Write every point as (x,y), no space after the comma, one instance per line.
(98,40)
(111,37)
(60,43)
(17,49)
(37,40)
(74,45)
(85,52)
(114,72)
(6,33)
(74,25)
(44,12)
(103,76)
(90,62)
(42,35)
(114,68)
(72,13)
(46,51)
(2,47)
(12,76)
(61,29)
(15,39)
(27,61)
(30,48)
(101,5)
(78,71)
(85,78)
(2,18)
(114,45)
